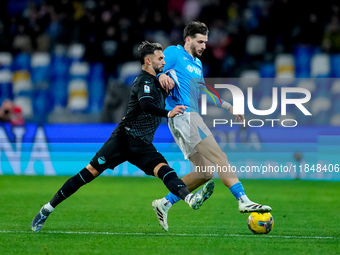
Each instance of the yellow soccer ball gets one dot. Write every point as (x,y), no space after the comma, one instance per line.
(260,223)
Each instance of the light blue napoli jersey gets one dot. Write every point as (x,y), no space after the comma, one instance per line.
(182,67)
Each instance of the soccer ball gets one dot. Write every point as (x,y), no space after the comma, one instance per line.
(260,223)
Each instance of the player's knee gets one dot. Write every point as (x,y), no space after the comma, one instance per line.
(87,176)
(158,167)
(94,172)
(220,155)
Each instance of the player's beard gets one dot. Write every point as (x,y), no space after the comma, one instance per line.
(195,52)
(157,69)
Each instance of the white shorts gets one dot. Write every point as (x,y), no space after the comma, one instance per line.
(188,130)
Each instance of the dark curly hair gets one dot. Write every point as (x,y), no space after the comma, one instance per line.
(147,48)
(195,27)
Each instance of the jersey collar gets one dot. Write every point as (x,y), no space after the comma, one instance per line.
(186,53)
(146,73)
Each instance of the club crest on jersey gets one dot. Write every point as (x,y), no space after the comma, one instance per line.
(101,160)
(146,89)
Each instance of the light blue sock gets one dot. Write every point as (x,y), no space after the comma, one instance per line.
(237,190)
(172,198)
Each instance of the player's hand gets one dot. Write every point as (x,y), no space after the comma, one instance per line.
(166,82)
(177,110)
(238,117)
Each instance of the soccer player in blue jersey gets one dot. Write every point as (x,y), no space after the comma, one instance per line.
(189,131)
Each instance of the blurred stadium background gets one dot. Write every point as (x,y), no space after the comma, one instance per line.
(67,67)
(70,61)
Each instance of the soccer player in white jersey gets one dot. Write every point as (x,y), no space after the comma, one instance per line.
(189,131)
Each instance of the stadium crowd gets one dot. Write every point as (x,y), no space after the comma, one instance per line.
(110,30)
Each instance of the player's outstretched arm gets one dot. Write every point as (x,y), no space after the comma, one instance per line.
(177,110)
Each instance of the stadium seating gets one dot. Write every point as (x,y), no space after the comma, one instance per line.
(336,106)
(6,60)
(255,45)
(77,95)
(335,88)
(78,86)
(40,67)
(43,104)
(22,61)
(22,82)
(335,65)
(40,76)
(335,120)
(308,84)
(22,86)
(303,55)
(285,68)
(321,109)
(267,70)
(41,83)
(6,90)
(79,70)
(320,66)
(249,78)
(25,103)
(96,87)
(23,91)
(129,71)
(59,78)
(76,51)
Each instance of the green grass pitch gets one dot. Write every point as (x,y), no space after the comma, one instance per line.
(113,215)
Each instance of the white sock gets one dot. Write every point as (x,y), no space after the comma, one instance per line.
(49,207)
(187,198)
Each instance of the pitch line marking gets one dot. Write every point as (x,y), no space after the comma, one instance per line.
(172,234)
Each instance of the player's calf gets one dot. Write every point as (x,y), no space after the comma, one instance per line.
(171,181)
